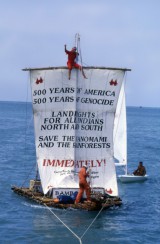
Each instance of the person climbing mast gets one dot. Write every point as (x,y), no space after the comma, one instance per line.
(71,63)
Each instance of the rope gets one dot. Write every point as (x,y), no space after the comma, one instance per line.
(25,148)
(76,40)
(90,179)
(93,220)
(79,238)
(27,176)
(79,49)
(77,44)
(27,126)
(64,224)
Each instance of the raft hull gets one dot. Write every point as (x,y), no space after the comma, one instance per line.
(39,198)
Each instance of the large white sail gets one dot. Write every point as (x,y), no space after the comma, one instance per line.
(73,122)
(120,130)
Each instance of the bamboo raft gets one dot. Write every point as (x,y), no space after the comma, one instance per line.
(96,203)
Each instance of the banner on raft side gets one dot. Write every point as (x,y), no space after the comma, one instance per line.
(73,122)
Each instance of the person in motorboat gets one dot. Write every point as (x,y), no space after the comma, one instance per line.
(141,171)
(71,63)
(83,185)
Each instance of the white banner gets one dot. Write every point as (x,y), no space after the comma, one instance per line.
(73,122)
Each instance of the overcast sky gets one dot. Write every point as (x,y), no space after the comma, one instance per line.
(114,33)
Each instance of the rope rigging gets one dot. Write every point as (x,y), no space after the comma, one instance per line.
(76,236)
(78,46)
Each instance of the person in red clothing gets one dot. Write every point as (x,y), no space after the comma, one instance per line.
(83,185)
(71,63)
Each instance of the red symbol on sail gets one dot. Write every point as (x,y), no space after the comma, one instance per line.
(38,81)
(113,82)
(109,191)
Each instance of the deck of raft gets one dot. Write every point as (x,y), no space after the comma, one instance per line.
(50,202)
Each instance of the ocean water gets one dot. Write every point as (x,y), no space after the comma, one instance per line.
(22,221)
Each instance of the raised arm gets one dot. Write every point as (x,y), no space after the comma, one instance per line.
(65,49)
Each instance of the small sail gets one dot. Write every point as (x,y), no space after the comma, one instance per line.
(74,121)
(120,130)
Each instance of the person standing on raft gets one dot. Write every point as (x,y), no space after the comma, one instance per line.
(71,63)
(83,185)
